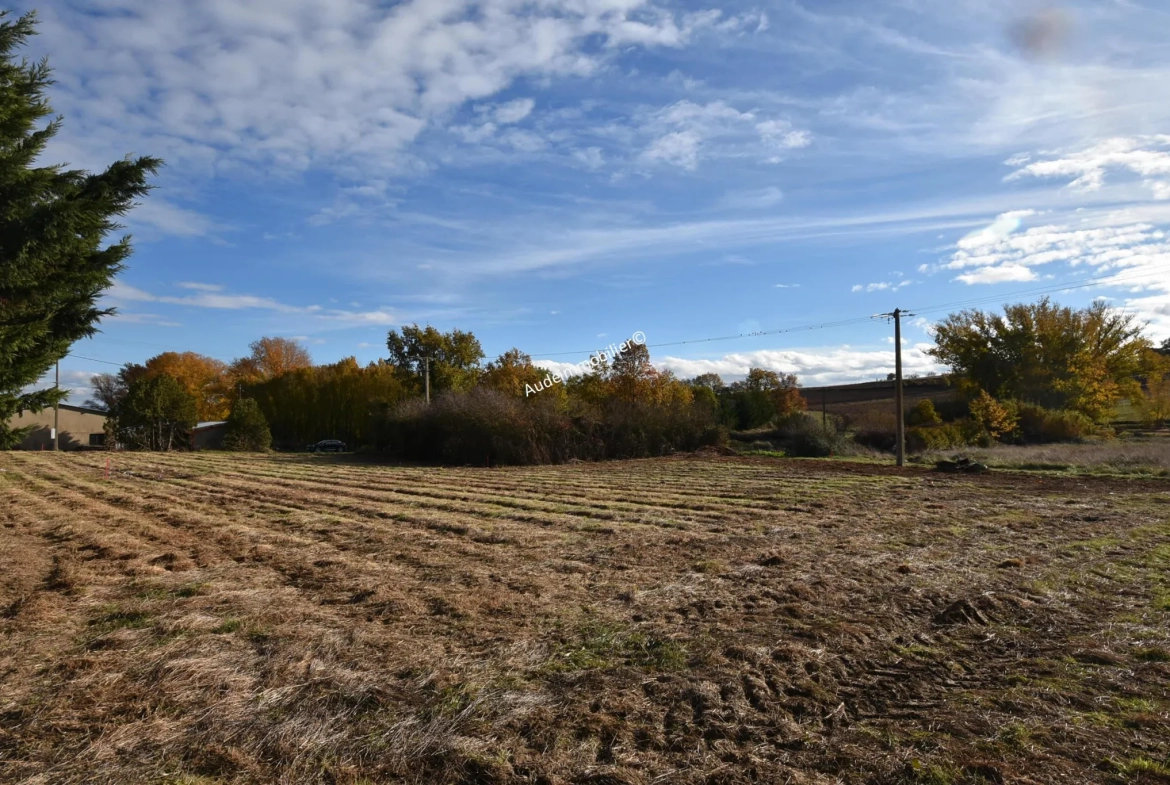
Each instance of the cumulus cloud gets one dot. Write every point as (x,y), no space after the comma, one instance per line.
(1133,256)
(1147,157)
(514,111)
(813,366)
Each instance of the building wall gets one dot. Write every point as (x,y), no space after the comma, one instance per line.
(209,437)
(76,429)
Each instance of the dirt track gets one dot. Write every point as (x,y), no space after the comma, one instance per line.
(209,618)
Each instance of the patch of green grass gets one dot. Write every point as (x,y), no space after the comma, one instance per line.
(451,701)
(163,593)
(117,619)
(920,773)
(1143,765)
(1152,654)
(228,626)
(1015,735)
(599,646)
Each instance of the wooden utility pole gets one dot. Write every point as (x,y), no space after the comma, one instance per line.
(900,425)
(427,360)
(57,409)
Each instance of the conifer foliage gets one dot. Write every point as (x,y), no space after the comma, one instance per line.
(53,223)
(247,429)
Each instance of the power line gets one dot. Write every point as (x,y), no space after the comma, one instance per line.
(93,360)
(1110,279)
(756,334)
(906,312)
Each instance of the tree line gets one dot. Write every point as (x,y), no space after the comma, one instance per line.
(1037,372)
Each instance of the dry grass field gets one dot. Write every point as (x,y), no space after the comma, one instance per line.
(203,618)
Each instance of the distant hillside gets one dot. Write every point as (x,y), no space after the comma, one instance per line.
(840,398)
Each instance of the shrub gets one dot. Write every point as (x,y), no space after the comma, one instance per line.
(247,429)
(998,418)
(804,437)
(937,437)
(923,413)
(1041,426)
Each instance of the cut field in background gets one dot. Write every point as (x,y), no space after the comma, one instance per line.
(209,618)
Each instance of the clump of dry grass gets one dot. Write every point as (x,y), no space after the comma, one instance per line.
(1146,456)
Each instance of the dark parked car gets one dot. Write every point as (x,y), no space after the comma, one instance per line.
(327,445)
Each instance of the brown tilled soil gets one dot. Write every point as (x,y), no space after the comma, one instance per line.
(221,619)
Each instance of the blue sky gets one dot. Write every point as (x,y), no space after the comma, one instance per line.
(554,175)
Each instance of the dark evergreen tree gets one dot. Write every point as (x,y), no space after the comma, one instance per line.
(53,222)
(247,429)
(156,414)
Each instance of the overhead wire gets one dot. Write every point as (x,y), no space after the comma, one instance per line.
(1108,279)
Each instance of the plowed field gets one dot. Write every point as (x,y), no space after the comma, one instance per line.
(208,618)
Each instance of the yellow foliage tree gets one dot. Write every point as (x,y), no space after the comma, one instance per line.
(1059,358)
(1153,402)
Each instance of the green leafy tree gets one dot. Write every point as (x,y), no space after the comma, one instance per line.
(156,413)
(247,428)
(53,223)
(1059,358)
(454,357)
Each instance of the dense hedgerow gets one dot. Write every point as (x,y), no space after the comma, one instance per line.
(485,427)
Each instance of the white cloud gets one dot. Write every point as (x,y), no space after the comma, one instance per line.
(1000,228)
(880,286)
(813,366)
(1127,255)
(1146,156)
(680,148)
(787,286)
(686,132)
(998,274)
(300,84)
(215,299)
(591,157)
(159,217)
(780,133)
(514,111)
(474,134)
(202,287)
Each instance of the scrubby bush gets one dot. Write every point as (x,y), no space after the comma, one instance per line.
(923,413)
(1038,425)
(247,429)
(997,418)
(804,437)
(936,437)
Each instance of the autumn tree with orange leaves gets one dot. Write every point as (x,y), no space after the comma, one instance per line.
(204,378)
(270,358)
